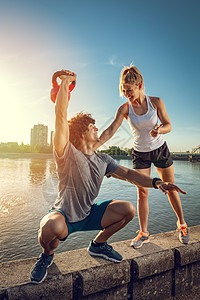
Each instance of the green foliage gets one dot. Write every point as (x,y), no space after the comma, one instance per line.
(115,150)
(46,149)
(13,147)
(25,148)
(37,148)
(10,147)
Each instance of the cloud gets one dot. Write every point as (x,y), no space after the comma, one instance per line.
(112,61)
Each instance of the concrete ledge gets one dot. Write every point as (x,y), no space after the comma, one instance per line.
(51,288)
(105,277)
(154,287)
(161,269)
(187,255)
(187,278)
(153,264)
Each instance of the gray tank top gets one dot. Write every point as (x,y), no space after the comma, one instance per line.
(141,125)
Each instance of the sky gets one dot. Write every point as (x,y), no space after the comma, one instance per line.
(96,39)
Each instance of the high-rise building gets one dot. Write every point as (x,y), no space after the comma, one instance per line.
(51,138)
(39,134)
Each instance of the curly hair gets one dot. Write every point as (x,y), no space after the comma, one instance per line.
(130,75)
(78,125)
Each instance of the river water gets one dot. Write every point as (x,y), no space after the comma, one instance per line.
(28,188)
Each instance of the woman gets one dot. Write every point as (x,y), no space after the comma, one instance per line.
(143,113)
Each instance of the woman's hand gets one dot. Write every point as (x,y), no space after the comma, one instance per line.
(154,132)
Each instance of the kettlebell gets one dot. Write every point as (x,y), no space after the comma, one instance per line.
(56,86)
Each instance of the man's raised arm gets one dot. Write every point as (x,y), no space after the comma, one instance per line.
(61,135)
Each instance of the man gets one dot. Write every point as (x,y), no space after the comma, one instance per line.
(80,174)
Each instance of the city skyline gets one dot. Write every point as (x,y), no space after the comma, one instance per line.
(47,139)
(41,37)
(39,135)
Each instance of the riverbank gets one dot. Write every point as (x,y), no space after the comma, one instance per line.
(175,156)
(27,155)
(161,269)
(47,155)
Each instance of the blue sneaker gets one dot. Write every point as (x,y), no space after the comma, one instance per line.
(105,251)
(39,270)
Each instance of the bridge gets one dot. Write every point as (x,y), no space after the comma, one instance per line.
(197,149)
(194,156)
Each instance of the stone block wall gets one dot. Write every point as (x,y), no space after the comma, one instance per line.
(161,269)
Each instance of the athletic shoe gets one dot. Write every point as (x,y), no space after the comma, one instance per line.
(183,233)
(39,270)
(140,239)
(105,251)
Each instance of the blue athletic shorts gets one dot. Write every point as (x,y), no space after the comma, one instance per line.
(91,222)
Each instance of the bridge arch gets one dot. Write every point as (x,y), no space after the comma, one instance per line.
(197,149)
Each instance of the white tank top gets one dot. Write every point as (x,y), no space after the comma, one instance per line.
(141,125)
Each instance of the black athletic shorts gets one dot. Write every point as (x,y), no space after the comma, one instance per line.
(160,157)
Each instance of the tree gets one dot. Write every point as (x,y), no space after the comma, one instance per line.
(37,148)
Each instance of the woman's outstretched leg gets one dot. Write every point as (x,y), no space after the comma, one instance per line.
(167,174)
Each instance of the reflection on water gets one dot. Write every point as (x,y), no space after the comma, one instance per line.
(13,178)
(37,171)
(29,188)
(22,205)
